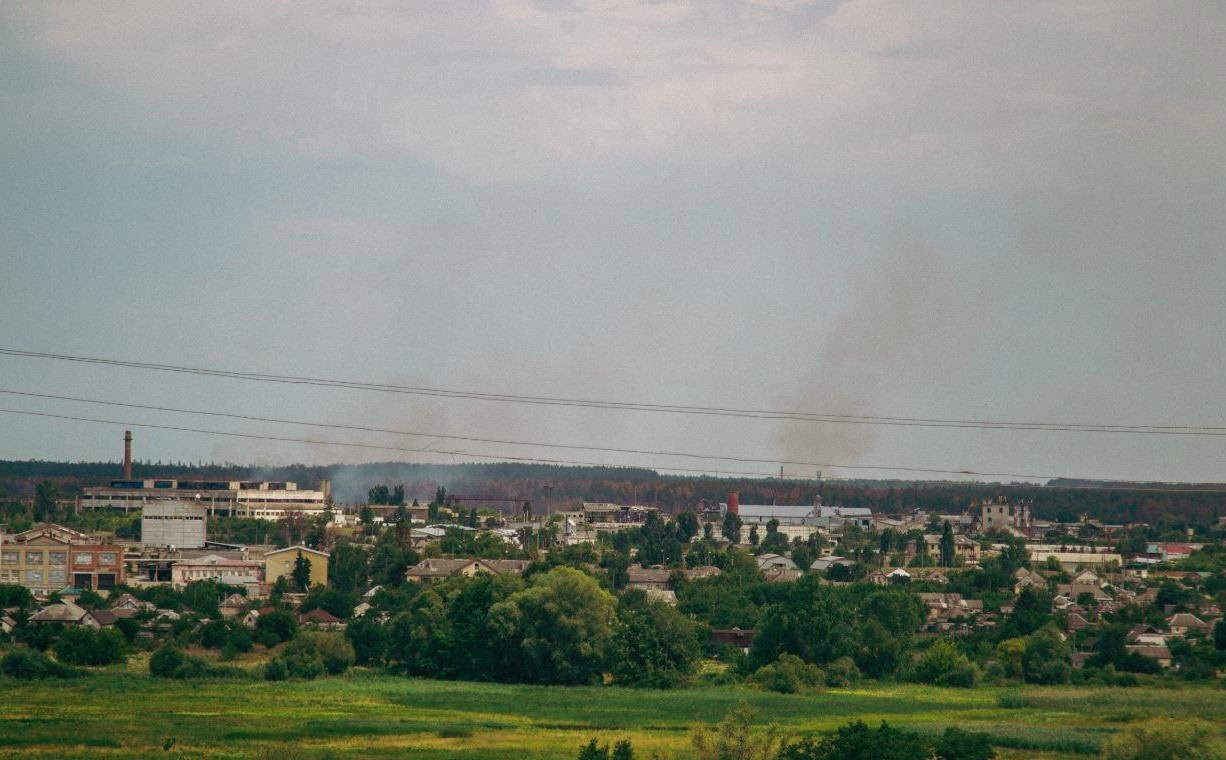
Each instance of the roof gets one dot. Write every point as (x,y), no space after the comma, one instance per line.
(668,596)
(299,548)
(702,571)
(1150,650)
(500,566)
(104,617)
(319,615)
(775,510)
(439,567)
(1186,620)
(640,574)
(61,612)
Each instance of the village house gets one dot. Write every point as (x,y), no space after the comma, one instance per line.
(770,561)
(648,578)
(1159,653)
(65,613)
(1183,623)
(322,620)
(437,567)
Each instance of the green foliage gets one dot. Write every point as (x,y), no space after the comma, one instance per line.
(369,639)
(734,739)
(856,741)
(1167,739)
(943,665)
(276,670)
(654,645)
(348,568)
(592,751)
(275,626)
(842,672)
(79,645)
(301,574)
(956,744)
(29,664)
(171,662)
(311,654)
(337,602)
(12,595)
(789,675)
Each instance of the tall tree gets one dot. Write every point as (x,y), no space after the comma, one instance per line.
(947,545)
(301,572)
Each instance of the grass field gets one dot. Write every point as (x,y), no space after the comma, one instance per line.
(124,714)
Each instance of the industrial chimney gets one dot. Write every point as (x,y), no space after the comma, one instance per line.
(127,455)
(734,502)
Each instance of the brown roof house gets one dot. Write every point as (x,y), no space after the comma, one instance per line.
(1183,623)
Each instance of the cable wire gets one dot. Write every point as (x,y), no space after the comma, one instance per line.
(797,416)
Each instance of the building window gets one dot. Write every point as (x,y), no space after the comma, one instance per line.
(34,558)
(58,558)
(57,577)
(34,576)
(107,558)
(10,558)
(82,558)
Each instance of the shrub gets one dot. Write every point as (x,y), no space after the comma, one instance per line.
(842,672)
(1167,739)
(165,661)
(28,664)
(84,646)
(275,670)
(789,675)
(944,665)
(1054,672)
(172,662)
(276,626)
(956,744)
(331,650)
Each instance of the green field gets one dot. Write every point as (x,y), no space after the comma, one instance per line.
(117,714)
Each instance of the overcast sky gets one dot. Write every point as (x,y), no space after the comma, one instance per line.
(1011,210)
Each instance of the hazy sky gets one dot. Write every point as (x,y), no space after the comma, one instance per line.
(954,209)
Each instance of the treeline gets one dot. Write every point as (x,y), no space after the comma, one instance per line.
(557,487)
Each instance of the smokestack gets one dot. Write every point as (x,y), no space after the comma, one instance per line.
(734,502)
(127,455)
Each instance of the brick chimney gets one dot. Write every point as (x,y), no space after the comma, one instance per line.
(127,455)
(734,502)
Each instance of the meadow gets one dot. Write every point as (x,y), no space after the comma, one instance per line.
(122,713)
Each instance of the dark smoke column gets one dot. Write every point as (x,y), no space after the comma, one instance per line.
(127,455)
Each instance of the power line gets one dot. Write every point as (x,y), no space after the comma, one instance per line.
(500,441)
(797,416)
(507,457)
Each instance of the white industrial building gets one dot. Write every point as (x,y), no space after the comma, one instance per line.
(265,500)
(180,524)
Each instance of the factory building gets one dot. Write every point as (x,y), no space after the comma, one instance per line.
(180,524)
(262,499)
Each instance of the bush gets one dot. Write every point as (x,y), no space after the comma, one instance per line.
(28,664)
(1167,739)
(84,646)
(789,675)
(172,662)
(276,670)
(842,672)
(1054,672)
(276,626)
(944,665)
(165,661)
(331,649)
(956,744)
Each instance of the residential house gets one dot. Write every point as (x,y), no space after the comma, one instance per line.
(1183,623)
(438,567)
(103,618)
(700,572)
(280,563)
(7,624)
(1028,579)
(898,575)
(648,578)
(1159,653)
(734,637)
(321,619)
(825,563)
(64,612)
(232,605)
(666,595)
(781,575)
(877,578)
(770,561)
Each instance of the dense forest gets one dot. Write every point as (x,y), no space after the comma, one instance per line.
(556,487)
